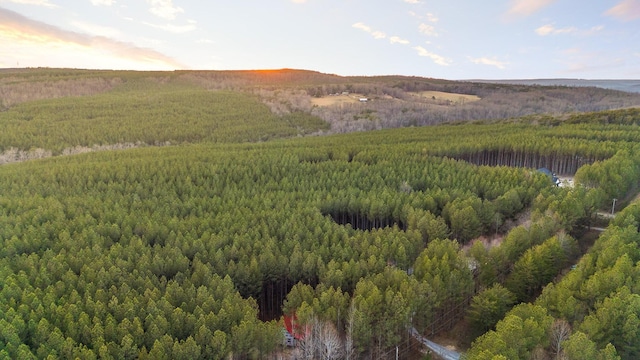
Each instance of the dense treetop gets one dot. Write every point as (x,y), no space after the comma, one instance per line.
(195,250)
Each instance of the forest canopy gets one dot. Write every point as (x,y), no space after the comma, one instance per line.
(196,248)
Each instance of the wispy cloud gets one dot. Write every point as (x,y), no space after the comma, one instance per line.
(33,41)
(549,29)
(362,27)
(164,9)
(375,33)
(626,10)
(103,2)
(593,30)
(398,40)
(428,17)
(428,30)
(438,59)
(298,1)
(489,61)
(44,3)
(412,1)
(379,35)
(523,8)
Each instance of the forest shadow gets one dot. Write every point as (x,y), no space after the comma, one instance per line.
(362,222)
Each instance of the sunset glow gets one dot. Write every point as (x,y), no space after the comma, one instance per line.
(511,39)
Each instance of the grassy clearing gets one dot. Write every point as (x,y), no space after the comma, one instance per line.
(330,100)
(449,97)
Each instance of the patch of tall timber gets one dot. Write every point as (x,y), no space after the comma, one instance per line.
(366,213)
(362,221)
(562,164)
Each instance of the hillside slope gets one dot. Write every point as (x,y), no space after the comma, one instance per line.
(392,101)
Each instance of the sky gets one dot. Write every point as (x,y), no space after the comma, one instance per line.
(446,39)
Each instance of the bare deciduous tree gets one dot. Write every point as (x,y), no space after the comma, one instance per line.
(330,342)
(321,341)
(349,349)
(560,331)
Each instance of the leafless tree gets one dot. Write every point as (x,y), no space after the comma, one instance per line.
(321,341)
(349,350)
(307,347)
(330,342)
(560,331)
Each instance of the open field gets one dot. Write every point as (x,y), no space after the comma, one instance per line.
(337,99)
(449,97)
(438,96)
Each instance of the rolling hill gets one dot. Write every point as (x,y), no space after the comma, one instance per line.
(221,201)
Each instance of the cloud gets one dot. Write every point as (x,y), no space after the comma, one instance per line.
(522,8)
(44,3)
(488,61)
(428,30)
(35,43)
(626,10)
(412,1)
(428,17)
(164,9)
(549,29)
(299,1)
(398,40)
(361,26)
(375,33)
(440,60)
(103,2)
(379,34)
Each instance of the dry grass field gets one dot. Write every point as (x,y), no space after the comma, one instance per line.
(353,98)
(451,97)
(337,99)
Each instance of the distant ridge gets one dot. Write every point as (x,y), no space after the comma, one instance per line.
(620,85)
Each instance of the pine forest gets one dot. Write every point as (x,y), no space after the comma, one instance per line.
(209,215)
